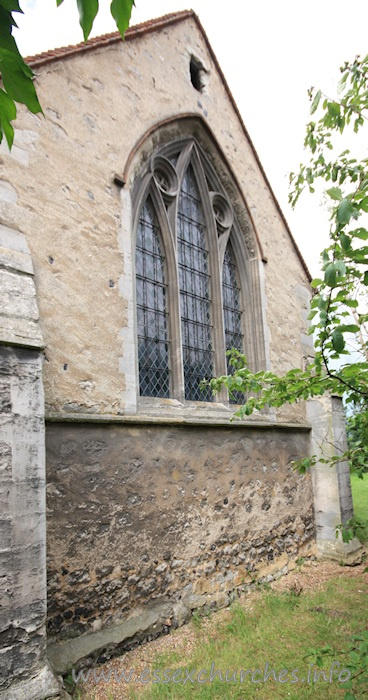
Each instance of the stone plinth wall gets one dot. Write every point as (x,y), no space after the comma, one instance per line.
(140,514)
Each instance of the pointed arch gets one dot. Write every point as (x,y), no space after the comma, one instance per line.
(210,279)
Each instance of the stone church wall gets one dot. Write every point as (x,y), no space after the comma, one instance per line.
(153,509)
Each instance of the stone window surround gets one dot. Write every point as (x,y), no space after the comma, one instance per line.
(219,231)
(210,166)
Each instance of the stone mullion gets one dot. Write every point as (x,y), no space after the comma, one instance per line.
(218,335)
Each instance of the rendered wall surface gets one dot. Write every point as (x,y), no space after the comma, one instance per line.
(61,169)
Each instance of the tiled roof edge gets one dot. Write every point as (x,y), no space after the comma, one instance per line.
(107,39)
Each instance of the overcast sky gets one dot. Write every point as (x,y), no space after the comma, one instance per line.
(270,52)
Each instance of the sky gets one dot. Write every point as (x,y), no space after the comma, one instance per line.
(270,53)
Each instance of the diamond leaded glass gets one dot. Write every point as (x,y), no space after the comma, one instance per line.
(153,349)
(195,304)
(232,311)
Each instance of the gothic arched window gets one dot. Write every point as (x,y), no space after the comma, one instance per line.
(191,269)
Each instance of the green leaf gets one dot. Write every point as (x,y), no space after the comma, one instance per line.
(8,109)
(344,212)
(316,283)
(87,12)
(121,11)
(11,5)
(342,83)
(365,278)
(59,2)
(7,40)
(340,267)
(338,342)
(330,275)
(7,129)
(361,233)
(312,314)
(17,82)
(364,204)
(335,193)
(350,328)
(316,101)
(333,109)
(345,241)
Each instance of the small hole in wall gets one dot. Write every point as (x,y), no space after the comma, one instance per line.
(65,366)
(197,73)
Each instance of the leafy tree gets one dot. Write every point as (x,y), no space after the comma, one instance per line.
(17,76)
(338,312)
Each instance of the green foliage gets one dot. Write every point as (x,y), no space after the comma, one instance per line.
(357,664)
(352,528)
(17,77)
(121,11)
(87,12)
(336,313)
(357,430)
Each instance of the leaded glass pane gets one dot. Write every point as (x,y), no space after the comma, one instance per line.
(153,348)
(195,304)
(232,311)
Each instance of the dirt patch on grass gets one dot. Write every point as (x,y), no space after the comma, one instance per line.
(313,575)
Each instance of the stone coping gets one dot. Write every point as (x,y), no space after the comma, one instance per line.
(142,419)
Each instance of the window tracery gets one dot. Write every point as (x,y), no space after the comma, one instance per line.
(191,270)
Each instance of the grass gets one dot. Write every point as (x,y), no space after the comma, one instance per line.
(279,629)
(359,488)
